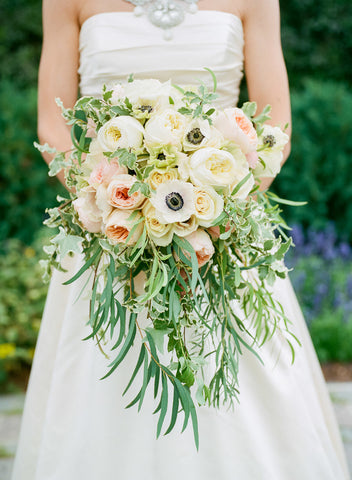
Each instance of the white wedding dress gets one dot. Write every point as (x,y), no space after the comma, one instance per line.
(74,425)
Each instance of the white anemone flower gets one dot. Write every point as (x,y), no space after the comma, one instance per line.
(174,201)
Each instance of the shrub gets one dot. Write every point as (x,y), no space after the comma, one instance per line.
(26,189)
(22,298)
(319,167)
(322,279)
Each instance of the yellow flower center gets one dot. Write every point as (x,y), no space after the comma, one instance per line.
(173,121)
(218,165)
(114,132)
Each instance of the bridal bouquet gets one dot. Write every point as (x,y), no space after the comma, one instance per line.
(181,246)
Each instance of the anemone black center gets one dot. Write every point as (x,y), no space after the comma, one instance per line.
(269,141)
(174,201)
(161,156)
(195,136)
(146,108)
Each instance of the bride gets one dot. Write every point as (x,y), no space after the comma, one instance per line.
(74,426)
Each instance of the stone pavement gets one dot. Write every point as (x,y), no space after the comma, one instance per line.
(11,408)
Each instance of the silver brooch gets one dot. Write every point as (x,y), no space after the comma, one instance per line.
(165,14)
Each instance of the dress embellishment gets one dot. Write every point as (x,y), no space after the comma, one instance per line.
(165,14)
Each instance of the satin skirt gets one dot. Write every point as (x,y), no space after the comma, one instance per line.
(75,426)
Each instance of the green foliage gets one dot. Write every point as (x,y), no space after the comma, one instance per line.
(332,336)
(25,187)
(317,39)
(22,297)
(319,168)
(20,40)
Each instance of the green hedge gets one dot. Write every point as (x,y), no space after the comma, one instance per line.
(26,189)
(22,298)
(319,168)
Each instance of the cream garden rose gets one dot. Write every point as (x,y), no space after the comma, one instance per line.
(166,128)
(120,132)
(214,167)
(160,233)
(159,176)
(120,223)
(209,205)
(185,228)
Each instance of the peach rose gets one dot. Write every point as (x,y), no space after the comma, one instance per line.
(237,127)
(105,170)
(215,231)
(88,212)
(119,224)
(118,193)
(202,245)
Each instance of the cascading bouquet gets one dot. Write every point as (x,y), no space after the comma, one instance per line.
(181,246)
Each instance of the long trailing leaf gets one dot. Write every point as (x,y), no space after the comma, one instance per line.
(85,267)
(126,346)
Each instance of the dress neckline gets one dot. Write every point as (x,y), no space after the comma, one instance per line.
(90,19)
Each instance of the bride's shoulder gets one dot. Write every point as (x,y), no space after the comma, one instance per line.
(65,11)
(262,10)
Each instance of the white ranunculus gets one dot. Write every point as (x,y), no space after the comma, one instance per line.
(200,134)
(185,228)
(88,212)
(160,233)
(120,132)
(166,128)
(209,205)
(214,167)
(271,144)
(202,245)
(173,201)
(119,224)
(237,127)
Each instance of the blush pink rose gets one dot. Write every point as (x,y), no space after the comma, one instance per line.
(105,170)
(237,127)
(88,213)
(91,128)
(252,159)
(118,196)
(202,245)
(119,225)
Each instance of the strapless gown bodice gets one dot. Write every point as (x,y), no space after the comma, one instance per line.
(114,45)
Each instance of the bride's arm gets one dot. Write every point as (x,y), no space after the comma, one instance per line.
(264,64)
(57,73)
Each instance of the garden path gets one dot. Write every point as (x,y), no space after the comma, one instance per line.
(11,410)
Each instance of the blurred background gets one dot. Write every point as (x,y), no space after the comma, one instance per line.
(317,44)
